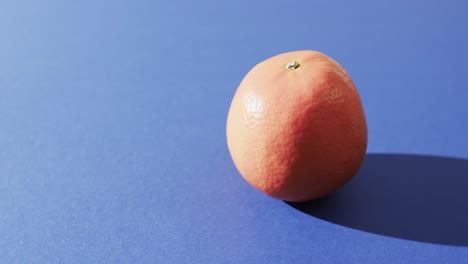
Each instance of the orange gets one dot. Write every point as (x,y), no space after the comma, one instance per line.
(296,128)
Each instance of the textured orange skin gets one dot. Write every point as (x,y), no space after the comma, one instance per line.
(297,135)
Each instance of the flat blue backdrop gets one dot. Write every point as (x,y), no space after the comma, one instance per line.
(112,132)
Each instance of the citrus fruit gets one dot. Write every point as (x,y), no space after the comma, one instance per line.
(296,128)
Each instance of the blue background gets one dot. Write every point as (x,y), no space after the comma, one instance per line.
(112,132)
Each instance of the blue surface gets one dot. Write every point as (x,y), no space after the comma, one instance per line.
(112,132)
